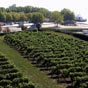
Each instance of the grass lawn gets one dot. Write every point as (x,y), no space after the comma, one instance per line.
(27,69)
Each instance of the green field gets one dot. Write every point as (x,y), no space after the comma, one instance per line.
(26,68)
(65,57)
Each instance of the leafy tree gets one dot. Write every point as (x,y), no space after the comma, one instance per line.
(22,17)
(45,12)
(2,17)
(9,17)
(29,16)
(56,17)
(15,16)
(25,13)
(37,18)
(68,15)
(28,9)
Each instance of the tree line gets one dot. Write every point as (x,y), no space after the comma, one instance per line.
(35,14)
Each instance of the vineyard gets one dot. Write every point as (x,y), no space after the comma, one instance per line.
(10,77)
(65,57)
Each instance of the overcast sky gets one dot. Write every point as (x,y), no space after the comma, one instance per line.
(78,6)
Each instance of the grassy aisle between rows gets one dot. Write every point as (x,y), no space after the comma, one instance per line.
(27,69)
